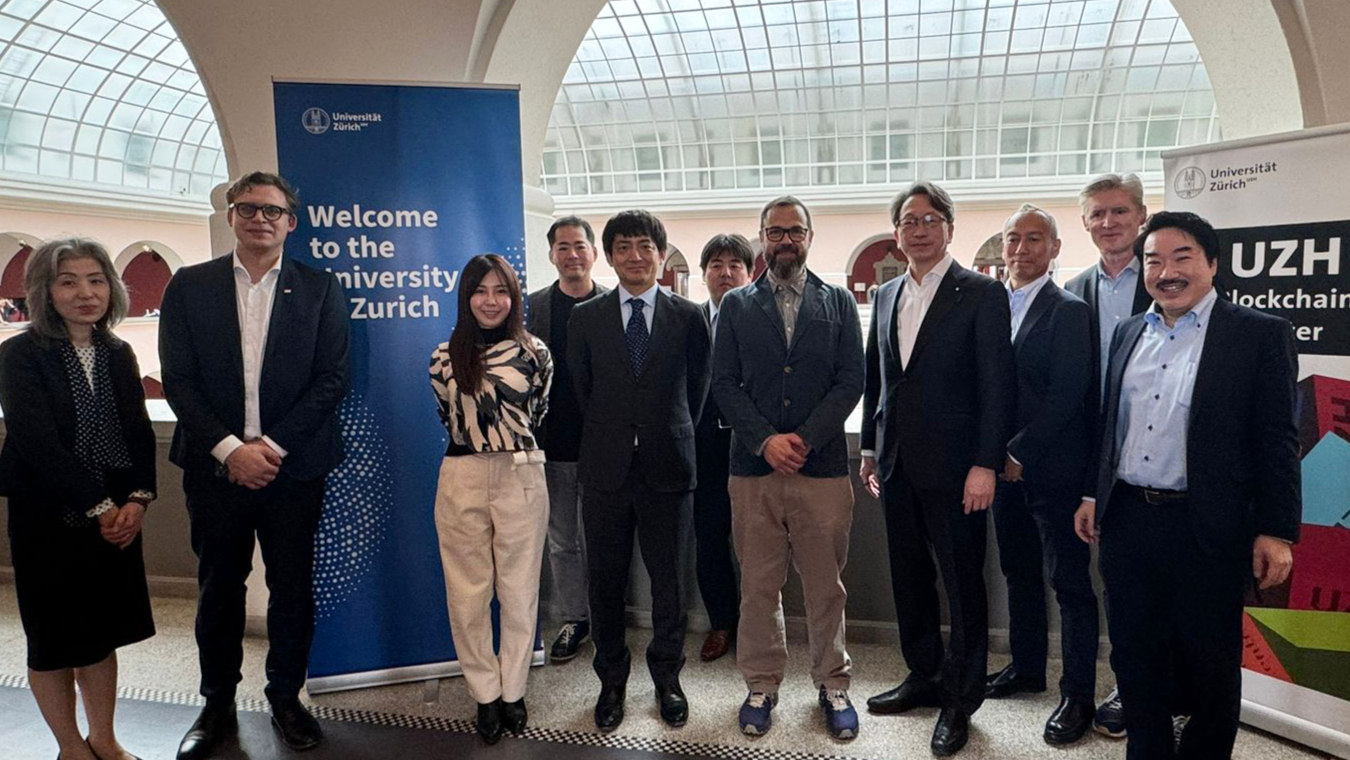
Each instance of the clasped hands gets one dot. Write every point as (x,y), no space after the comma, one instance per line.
(253,465)
(786,452)
(121,525)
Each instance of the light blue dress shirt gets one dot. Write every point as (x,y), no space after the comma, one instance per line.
(1115,303)
(1155,398)
(1020,300)
(647,297)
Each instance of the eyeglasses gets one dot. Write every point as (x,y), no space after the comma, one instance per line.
(797,234)
(249,210)
(927,221)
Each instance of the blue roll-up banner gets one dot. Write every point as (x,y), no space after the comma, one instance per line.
(400,185)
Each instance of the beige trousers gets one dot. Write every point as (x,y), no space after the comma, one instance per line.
(777,519)
(491,518)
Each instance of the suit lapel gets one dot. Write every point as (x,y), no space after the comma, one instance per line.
(1039,307)
(887,307)
(614,327)
(812,296)
(1119,360)
(1142,300)
(764,297)
(226,305)
(661,327)
(947,296)
(1210,372)
(278,319)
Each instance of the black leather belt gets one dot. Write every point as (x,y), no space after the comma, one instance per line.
(1155,496)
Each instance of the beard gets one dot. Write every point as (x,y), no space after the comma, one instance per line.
(785,267)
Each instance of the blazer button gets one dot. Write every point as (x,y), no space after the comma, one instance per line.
(787,402)
(787,370)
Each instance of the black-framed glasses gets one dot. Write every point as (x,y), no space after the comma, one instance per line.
(797,234)
(249,210)
(927,221)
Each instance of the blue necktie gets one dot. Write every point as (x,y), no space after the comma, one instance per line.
(636,335)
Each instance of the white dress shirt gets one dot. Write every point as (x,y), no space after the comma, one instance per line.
(1019,300)
(647,297)
(915,298)
(254,302)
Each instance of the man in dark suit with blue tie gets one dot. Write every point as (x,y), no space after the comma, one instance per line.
(937,412)
(1042,479)
(254,360)
(1198,491)
(639,363)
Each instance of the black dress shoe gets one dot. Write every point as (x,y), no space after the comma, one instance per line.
(514,716)
(297,728)
(213,725)
(951,732)
(1008,682)
(674,706)
(489,724)
(609,708)
(914,692)
(1069,721)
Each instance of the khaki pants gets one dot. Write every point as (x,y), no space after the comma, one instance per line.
(491,518)
(776,519)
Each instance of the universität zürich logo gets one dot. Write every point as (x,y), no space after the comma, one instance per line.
(1190,182)
(316,121)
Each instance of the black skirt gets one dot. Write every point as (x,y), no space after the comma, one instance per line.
(80,597)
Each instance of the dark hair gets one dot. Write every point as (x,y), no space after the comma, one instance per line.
(1189,223)
(781,201)
(571,221)
(634,223)
(254,179)
(733,244)
(466,349)
(40,273)
(942,203)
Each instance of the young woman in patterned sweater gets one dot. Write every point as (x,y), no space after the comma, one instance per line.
(491,381)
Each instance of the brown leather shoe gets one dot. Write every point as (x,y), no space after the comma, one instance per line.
(717,644)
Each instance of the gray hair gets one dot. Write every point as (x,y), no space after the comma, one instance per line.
(40,273)
(1029,208)
(1130,183)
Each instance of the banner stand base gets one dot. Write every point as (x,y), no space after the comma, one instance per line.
(387,677)
(1296,729)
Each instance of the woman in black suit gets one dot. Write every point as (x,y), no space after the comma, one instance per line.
(78,467)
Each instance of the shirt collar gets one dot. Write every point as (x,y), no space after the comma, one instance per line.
(647,297)
(797,284)
(935,274)
(1031,288)
(1198,316)
(713,308)
(1133,266)
(239,266)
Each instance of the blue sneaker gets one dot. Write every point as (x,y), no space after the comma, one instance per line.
(756,713)
(840,716)
(1110,717)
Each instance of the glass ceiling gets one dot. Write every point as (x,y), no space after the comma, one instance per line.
(102,91)
(689,95)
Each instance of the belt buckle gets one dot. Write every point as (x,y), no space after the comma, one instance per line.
(1152,496)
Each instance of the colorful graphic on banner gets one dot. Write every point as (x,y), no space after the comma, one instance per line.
(399,186)
(1283,217)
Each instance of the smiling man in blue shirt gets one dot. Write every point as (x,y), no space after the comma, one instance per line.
(1197,492)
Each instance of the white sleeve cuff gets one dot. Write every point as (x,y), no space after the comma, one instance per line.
(103,506)
(222,451)
(1090,499)
(868,453)
(274,446)
(1013,459)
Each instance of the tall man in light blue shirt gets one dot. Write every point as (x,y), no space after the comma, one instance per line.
(1198,490)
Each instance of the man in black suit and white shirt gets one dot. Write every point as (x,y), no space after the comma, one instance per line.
(639,363)
(1198,489)
(571,249)
(254,362)
(937,411)
(1042,479)
(726,263)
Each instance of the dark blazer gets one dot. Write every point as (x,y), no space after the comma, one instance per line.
(713,433)
(1242,449)
(952,408)
(539,323)
(305,371)
(1084,285)
(38,464)
(1056,402)
(764,386)
(657,408)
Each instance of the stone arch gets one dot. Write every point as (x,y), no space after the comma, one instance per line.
(675,275)
(875,261)
(15,248)
(145,267)
(989,257)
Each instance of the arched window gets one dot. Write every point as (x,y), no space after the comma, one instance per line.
(152,385)
(874,263)
(146,267)
(15,247)
(989,259)
(675,276)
